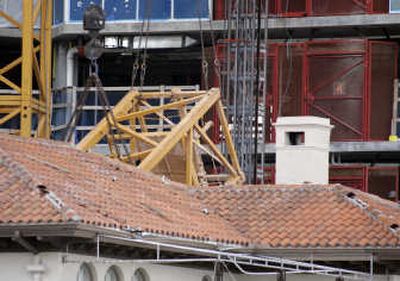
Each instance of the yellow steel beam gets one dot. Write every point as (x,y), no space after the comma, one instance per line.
(37,9)
(159,114)
(30,66)
(10,84)
(10,19)
(10,103)
(135,134)
(90,140)
(7,110)
(48,66)
(11,97)
(215,150)
(44,80)
(170,95)
(13,21)
(9,116)
(180,130)
(132,124)
(16,62)
(189,157)
(38,74)
(228,138)
(137,155)
(155,109)
(27,63)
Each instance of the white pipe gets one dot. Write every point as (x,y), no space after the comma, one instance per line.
(70,66)
(69,80)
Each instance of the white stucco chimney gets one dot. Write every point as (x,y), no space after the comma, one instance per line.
(302,150)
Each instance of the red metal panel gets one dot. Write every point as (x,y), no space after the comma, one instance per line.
(286,82)
(379,7)
(338,7)
(292,8)
(219,9)
(272,88)
(351,82)
(348,81)
(269,175)
(354,176)
(299,8)
(379,180)
(335,88)
(383,71)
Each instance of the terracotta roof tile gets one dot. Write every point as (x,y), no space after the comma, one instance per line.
(44,181)
(307,216)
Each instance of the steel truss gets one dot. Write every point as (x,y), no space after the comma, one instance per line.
(166,131)
(35,62)
(244,79)
(264,265)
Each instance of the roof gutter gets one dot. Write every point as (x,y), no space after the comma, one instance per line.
(79,230)
(73,229)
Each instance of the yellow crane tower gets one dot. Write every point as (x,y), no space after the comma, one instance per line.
(35,63)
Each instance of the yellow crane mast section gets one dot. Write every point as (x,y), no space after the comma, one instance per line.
(170,146)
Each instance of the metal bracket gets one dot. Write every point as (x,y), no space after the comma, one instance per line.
(24,243)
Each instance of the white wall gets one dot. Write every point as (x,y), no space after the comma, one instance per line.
(13,267)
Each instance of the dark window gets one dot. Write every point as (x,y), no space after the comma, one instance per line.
(295,138)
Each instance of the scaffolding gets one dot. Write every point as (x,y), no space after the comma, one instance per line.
(244,79)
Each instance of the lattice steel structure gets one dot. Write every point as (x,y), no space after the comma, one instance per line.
(244,79)
(18,101)
(167,133)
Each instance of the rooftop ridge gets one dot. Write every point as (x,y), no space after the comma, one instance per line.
(16,169)
(366,203)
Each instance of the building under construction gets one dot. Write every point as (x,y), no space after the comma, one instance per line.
(131,131)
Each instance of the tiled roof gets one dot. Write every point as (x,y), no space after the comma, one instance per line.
(307,216)
(50,182)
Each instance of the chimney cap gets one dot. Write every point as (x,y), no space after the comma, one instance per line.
(303,121)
